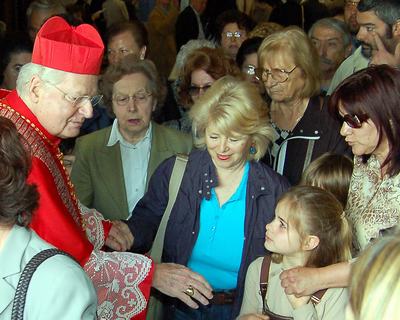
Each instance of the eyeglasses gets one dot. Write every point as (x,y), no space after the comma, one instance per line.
(80,100)
(236,34)
(195,90)
(355,121)
(279,75)
(138,98)
(249,69)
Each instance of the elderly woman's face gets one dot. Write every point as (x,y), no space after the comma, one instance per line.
(133,106)
(283,80)
(363,140)
(227,152)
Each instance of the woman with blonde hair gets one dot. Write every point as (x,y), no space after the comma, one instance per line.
(225,198)
(375,282)
(303,128)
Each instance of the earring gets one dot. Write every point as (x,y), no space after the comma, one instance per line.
(253,149)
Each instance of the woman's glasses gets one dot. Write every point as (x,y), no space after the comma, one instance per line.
(355,121)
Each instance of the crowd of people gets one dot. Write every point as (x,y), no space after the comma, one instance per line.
(286,116)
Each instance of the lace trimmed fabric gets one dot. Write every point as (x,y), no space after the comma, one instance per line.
(373,202)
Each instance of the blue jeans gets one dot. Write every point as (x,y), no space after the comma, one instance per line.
(210,312)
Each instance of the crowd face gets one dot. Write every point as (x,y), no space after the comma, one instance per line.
(370,25)
(199,5)
(227,152)
(122,45)
(232,38)
(350,15)
(36,20)
(330,48)
(133,106)
(289,89)
(279,236)
(199,83)
(250,64)
(365,139)
(10,75)
(54,105)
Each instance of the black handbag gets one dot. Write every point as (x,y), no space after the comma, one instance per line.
(26,276)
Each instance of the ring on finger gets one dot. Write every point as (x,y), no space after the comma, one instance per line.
(189,291)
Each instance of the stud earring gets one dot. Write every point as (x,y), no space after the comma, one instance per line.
(253,149)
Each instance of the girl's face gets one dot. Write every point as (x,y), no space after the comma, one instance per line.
(280,236)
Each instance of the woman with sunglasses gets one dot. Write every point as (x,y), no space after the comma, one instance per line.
(202,68)
(304,130)
(368,103)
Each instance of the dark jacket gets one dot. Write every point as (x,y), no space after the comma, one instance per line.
(263,189)
(186,27)
(316,133)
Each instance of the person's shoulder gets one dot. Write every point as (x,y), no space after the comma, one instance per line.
(94,138)
(266,172)
(171,132)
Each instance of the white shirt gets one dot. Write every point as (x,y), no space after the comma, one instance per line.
(135,160)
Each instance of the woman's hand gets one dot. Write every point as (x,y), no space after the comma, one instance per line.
(253,316)
(300,281)
(120,237)
(297,302)
(173,279)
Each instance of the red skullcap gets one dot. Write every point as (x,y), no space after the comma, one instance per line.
(73,49)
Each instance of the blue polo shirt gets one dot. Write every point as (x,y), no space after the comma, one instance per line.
(217,253)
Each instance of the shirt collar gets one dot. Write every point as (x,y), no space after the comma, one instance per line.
(115,136)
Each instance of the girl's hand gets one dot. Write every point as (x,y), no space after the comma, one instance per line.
(298,302)
(253,316)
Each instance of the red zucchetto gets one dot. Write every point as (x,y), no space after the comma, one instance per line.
(72,49)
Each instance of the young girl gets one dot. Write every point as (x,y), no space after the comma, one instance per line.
(331,172)
(310,230)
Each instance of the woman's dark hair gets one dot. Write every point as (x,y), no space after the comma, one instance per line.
(248,46)
(212,61)
(243,21)
(17,198)
(374,92)
(13,43)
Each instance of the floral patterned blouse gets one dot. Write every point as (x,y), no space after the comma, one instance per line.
(373,203)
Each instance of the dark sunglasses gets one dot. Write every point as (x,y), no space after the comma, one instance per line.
(355,121)
(195,90)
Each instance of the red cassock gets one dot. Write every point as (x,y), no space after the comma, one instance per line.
(122,280)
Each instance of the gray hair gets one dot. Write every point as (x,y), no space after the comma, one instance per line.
(30,69)
(50,5)
(386,10)
(336,25)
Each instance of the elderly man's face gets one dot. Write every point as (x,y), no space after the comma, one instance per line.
(51,103)
(330,48)
(350,15)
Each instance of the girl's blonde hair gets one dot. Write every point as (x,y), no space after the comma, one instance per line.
(375,281)
(331,172)
(316,212)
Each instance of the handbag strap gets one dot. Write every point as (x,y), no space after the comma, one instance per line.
(174,184)
(26,276)
(264,275)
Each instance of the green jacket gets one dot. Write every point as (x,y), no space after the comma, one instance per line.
(98,175)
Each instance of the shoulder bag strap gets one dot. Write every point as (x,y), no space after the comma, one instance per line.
(174,184)
(26,276)
(264,275)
